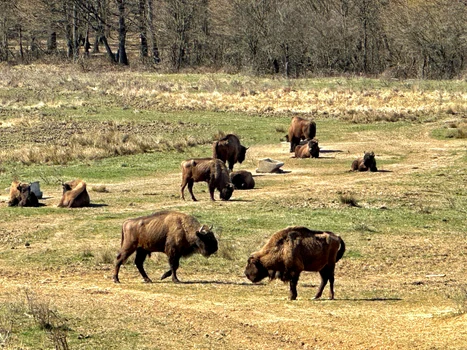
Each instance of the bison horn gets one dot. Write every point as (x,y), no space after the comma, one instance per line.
(210,229)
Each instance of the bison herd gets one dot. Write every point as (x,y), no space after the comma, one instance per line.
(287,253)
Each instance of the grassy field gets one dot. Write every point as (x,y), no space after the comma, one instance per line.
(400,285)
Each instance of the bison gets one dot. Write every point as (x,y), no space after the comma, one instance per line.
(293,250)
(21,195)
(363,164)
(228,149)
(213,171)
(300,129)
(173,233)
(308,150)
(242,180)
(74,195)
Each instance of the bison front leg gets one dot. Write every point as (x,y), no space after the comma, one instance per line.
(174,263)
(121,258)
(211,191)
(141,255)
(293,287)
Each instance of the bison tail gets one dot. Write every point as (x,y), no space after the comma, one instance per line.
(341,251)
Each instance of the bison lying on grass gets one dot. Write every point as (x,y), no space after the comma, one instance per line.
(293,250)
(368,162)
(308,150)
(228,149)
(173,233)
(74,195)
(21,195)
(300,129)
(242,180)
(213,171)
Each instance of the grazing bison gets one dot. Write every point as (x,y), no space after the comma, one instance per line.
(367,162)
(21,195)
(74,195)
(242,180)
(173,233)
(228,149)
(300,129)
(308,150)
(293,250)
(213,171)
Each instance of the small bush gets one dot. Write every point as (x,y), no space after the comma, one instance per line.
(348,199)
(460,299)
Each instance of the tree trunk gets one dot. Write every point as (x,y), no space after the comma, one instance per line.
(75,32)
(152,36)
(142,29)
(121,54)
(52,42)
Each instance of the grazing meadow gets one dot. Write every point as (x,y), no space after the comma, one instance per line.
(400,285)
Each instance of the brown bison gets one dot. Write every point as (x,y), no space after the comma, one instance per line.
(242,180)
(300,129)
(74,195)
(228,149)
(21,195)
(293,250)
(363,164)
(173,233)
(308,150)
(213,171)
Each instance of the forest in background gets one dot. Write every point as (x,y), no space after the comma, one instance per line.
(293,38)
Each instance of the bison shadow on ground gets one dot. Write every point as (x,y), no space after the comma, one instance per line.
(246,283)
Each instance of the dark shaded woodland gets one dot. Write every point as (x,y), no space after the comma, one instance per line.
(293,38)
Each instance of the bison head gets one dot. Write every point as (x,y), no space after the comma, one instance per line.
(242,154)
(369,160)
(313,148)
(206,242)
(254,270)
(227,191)
(66,187)
(24,194)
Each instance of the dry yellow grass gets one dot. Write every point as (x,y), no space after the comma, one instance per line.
(393,286)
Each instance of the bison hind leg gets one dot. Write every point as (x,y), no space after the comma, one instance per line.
(166,274)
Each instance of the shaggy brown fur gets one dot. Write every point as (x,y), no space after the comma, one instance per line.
(74,195)
(368,162)
(213,171)
(173,233)
(228,149)
(242,180)
(21,195)
(293,250)
(300,129)
(308,150)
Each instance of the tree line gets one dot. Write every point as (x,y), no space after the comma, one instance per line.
(402,38)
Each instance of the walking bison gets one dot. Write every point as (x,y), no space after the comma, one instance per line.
(242,180)
(213,171)
(22,196)
(368,162)
(300,129)
(228,149)
(308,150)
(173,233)
(74,195)
(293,250)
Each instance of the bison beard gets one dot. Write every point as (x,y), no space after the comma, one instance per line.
(293,250)
(173,233)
